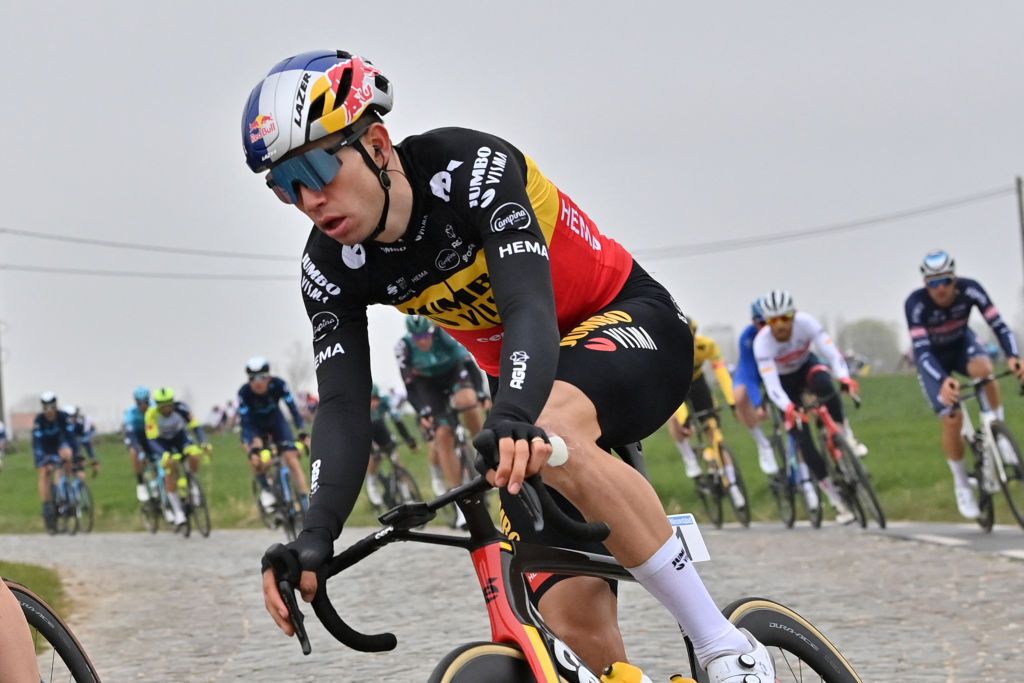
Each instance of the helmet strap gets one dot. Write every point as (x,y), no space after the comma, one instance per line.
(385,184)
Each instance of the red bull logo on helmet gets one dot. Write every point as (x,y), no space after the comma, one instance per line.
(360,91)
(260,127)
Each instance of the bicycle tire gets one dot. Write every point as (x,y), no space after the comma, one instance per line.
(406,488)
(783,632)
(48,624)
(67,519)
(781,486)
(743,513)
(710,493)
(1012,483)
(151,514)
(865,490)
(483,662)
(847,488)
(197,504)
(85,511)
(814,514)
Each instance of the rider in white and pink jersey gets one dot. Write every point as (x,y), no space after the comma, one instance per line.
(788,367)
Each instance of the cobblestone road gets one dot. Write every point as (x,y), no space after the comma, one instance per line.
(160,608)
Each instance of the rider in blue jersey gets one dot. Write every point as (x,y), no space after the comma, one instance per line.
(134,428)
(261,419)
(53,444)
(937,316)
(84,431)
(746,384)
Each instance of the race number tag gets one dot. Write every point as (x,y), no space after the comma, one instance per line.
(686,531)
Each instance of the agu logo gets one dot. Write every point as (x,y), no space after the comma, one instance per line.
(262,126)
(518,359)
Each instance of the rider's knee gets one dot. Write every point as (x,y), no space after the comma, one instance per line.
(979,366)
(953,419)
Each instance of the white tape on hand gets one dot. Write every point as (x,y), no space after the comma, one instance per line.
(559,451)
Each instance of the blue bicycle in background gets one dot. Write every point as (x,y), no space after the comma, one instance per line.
(73,502)
(288,510)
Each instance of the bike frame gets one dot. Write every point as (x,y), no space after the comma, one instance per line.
(989,447)
(500,565)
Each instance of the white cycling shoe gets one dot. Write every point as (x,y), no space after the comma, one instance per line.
(141,493)
(737,497)
(766,459)
(755,666)
(267,500)
(966,503)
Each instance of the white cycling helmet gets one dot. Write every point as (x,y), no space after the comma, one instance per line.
(776,303)
(70,410)
(48,398)
(257,365)
(938,262)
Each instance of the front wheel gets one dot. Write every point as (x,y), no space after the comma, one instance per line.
(1010,469)
(199,511)
(480,662)
(742,513)
(865,492)
(85,511)
(797,647)
(781,485)
(66,660)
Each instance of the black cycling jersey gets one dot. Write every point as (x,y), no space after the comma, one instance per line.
(494,252)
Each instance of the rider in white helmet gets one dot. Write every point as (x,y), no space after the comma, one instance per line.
(789,367)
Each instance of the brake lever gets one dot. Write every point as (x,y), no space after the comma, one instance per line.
(295,615)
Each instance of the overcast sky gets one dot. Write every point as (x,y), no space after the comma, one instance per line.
(669,123)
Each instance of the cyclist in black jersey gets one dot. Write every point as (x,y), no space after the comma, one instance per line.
(578,339)
(441,390)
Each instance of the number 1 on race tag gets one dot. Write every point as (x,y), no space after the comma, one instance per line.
(686,531)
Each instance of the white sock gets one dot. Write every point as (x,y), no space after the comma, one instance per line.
(669,575)
(832,495)
(759,438)
(959,470)
(1000,413)
(805,474)
(686,450)
(176,504)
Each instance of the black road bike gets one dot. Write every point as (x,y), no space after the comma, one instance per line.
(521,648)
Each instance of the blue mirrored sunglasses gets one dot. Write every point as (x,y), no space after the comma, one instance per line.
(314,168)
(939,282)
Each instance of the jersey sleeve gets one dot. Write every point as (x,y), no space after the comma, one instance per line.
(289,400)
(517,259)
(926,361)
(824,342)
(1007,340)
(244,411)
(341,431)
(768,371)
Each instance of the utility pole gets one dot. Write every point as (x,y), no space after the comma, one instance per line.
(1020,210)
(2,413)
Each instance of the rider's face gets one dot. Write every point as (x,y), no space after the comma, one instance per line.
(942,290)
(166,409)
(782,327)
(259,383)
(424,342)
(50,411)
(348,208)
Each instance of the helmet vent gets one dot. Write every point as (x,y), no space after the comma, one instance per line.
(344,86)
(382,83)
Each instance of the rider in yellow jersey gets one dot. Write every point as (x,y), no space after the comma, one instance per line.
(701,399)
(167,425)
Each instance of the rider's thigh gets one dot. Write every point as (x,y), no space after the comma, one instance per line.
(979,366)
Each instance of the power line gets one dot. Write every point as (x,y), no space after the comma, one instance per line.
(653,254)
(126,273)
(143,247)
(734,244)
